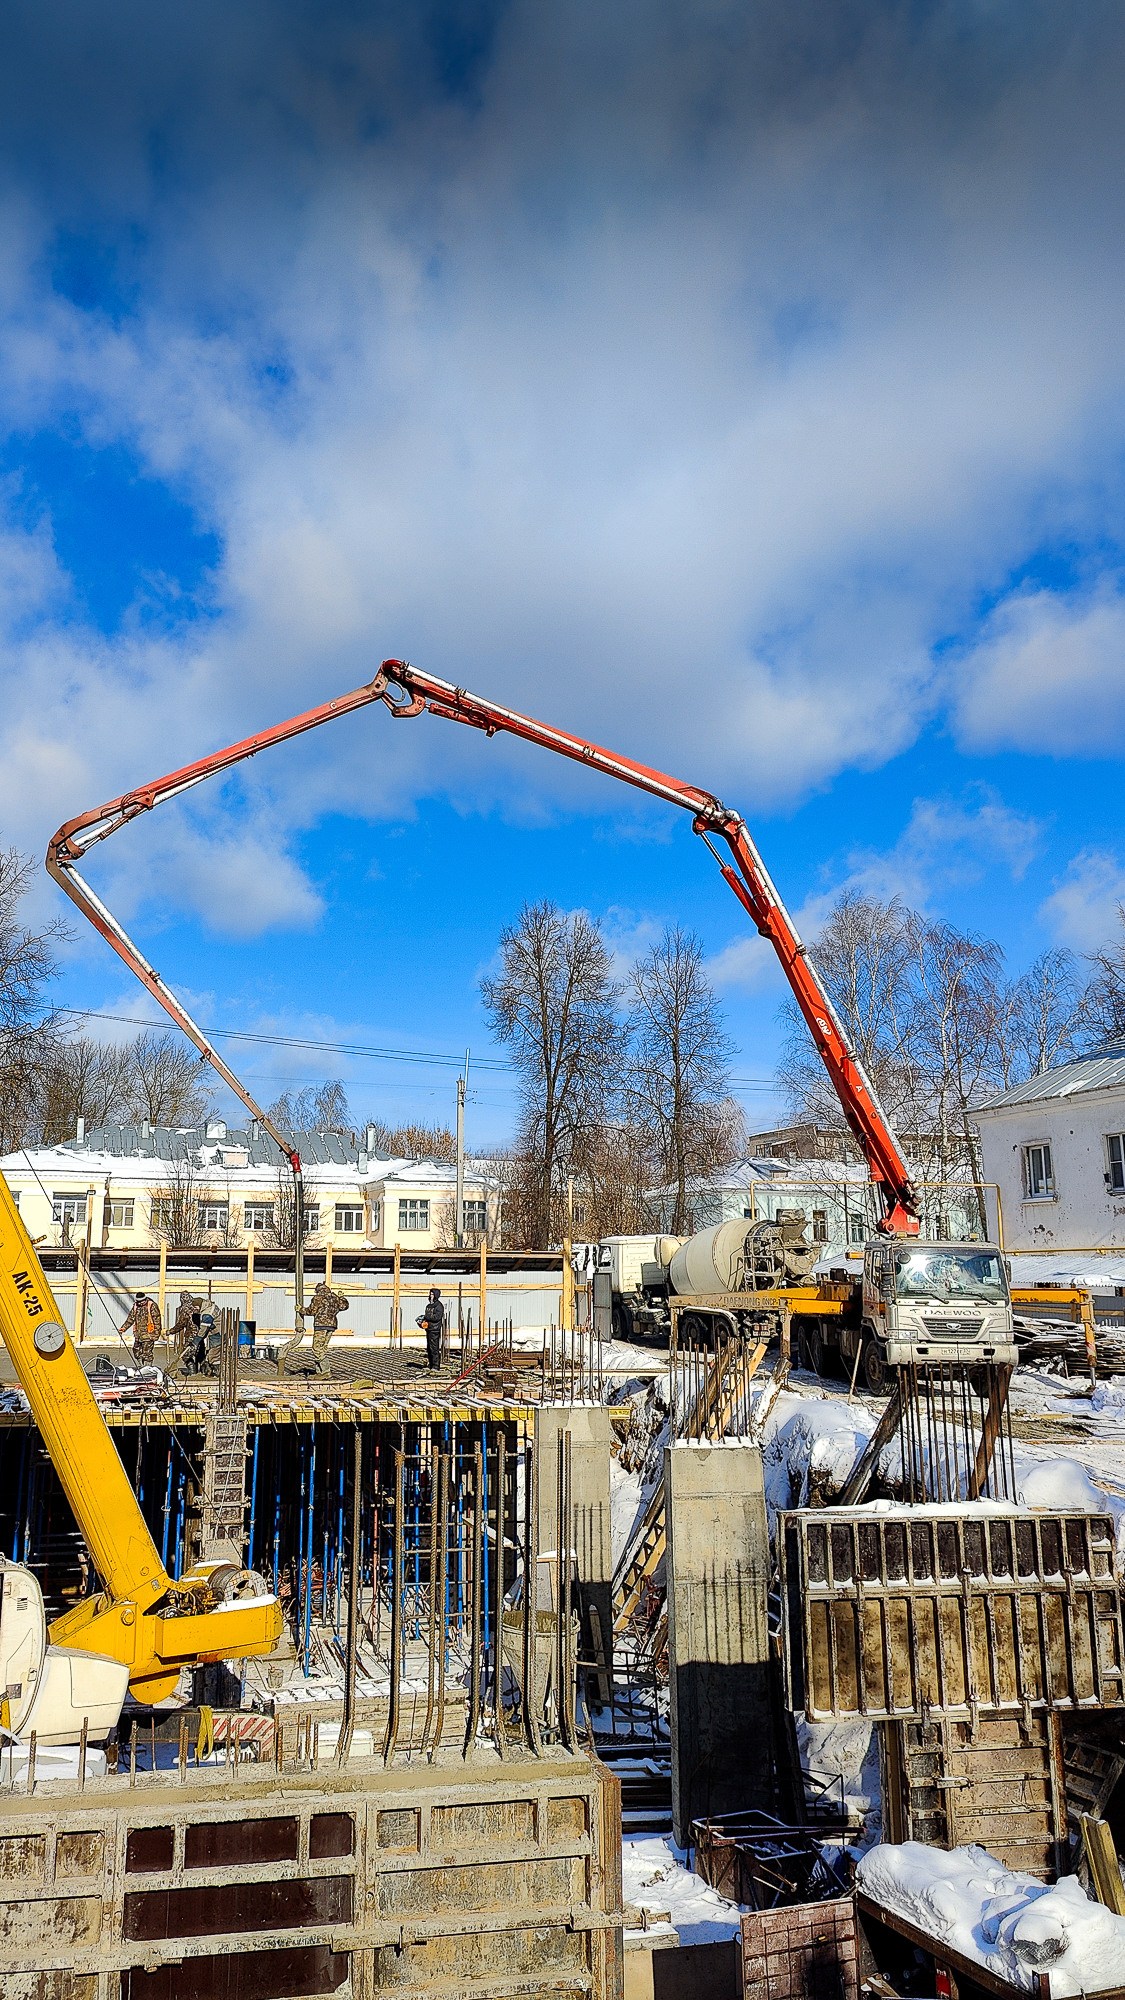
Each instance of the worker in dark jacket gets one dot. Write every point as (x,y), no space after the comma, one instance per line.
(433,1319)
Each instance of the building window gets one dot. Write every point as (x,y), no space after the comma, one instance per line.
(69,1209)
(1115,1150)
(349,1219)
(213,1215)
(857,1229)
(476,1216)
(311,1221)
(820,1225)
(257,1215)
(164,1214)
(119,1214)
(1038,1173)
(413,1214)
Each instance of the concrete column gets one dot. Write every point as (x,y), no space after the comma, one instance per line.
(718,1644)
(590,1429)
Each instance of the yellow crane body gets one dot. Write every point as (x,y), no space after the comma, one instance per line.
(142,1617)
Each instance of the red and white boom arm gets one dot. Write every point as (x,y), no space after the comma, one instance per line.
(407,692)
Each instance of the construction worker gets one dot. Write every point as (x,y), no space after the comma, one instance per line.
(144,1321)
(433,1319)
(325,1307)
(185,1326)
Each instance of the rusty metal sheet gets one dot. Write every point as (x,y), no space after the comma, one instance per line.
(943,1612)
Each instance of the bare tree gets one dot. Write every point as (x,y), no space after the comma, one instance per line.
(955,1043)
(319,1107)
(413,1142)
(28,1030)
(1047,1016)
(865,957)
(175,1205)
(1105,997)
(282,1235)
(679,1066)
(165,1085)
(616,1166)
(554,1006)
(84,1078)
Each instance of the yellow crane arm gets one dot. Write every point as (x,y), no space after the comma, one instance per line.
(143,1618)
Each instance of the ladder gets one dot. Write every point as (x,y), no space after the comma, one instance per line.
(707,1416)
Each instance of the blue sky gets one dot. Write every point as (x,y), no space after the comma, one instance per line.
(740,386)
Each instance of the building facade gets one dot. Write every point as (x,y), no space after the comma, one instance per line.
(210,1186)
(1055,1146)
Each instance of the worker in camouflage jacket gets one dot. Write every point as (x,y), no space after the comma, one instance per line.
(325,1308)
(144,1324)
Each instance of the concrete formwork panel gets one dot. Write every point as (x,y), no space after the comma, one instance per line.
(446,1879)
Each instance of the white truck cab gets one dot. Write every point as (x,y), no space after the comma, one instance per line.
(930,1302)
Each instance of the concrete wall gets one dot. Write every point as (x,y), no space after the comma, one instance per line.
(590,1429)
(1083,1213)
(718,1642)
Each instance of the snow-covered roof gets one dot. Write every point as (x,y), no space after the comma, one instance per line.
(1103,1069)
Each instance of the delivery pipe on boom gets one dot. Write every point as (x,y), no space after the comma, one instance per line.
(407,692)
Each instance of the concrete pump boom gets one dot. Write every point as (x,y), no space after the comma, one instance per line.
(407,692)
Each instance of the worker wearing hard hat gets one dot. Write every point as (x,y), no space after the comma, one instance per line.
(144,1323)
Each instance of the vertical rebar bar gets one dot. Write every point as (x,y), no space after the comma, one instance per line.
(498,1610)
(344,1743)
(442,1593)
(432,1630)
(530,1594)
(391,1738)
(473,1719)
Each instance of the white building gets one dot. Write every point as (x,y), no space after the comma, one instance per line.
(837,1199)
(129,1187)
(1055,1147)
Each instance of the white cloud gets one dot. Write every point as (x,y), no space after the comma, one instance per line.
(1048,676)
(682,385)
(1081,910)
(748,963)
(945,844)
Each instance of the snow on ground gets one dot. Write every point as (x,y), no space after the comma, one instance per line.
(812,1441)
(656,1877)
(1009,1923)
(844,1756)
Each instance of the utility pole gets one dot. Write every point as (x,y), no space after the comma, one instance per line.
(459,1198)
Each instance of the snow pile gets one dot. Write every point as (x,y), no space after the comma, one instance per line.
(1108,1401)
(655,1877)
(811,1445)
(1011,1924)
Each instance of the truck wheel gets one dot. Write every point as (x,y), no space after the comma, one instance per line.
(815,1351)
(621,1327)
(876,1374)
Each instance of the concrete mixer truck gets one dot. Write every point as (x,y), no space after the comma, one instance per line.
(915,1301)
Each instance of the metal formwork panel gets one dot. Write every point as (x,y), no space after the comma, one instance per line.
(942,1612)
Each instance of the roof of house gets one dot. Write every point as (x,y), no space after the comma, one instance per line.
(333,1158)
(1102,1069)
